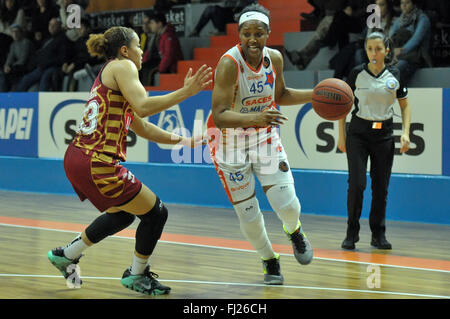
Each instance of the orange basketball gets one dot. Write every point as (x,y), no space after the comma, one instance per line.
(332,99)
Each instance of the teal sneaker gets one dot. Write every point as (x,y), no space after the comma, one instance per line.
(66,266)
(144,283)
(303,251)
(272,271)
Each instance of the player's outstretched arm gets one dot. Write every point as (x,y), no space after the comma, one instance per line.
(284,95)
(155,134)
(127,77)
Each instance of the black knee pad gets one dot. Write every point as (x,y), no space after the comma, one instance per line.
(157,215)
(150,228)
(108,224)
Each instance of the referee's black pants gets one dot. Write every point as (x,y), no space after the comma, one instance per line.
(363,142)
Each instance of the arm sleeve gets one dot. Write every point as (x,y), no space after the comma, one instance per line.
(25,54)
(351,79)
(402,91)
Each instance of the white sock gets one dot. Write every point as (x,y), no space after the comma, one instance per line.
(138,265)
(75,248)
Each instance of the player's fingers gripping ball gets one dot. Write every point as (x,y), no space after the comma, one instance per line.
(332,99)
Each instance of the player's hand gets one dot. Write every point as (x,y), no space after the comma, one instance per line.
(404,140)
(199,81)
(270,117)
(194,141)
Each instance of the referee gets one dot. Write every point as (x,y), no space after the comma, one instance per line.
(376,87)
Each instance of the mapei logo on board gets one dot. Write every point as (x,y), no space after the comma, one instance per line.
(18,124)
(15,123)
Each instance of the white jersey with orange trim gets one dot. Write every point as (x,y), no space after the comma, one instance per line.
(254,91)
(239,154)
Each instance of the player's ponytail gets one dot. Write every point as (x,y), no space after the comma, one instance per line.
(96,45)
(107,45)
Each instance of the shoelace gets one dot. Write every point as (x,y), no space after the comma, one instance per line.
(297,240)
(272,266)
(150,274)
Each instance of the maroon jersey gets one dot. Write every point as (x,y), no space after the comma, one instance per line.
(107,118)
(92,161)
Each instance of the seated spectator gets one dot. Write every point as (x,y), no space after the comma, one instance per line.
(317,13)
(354,53)
(77,59)
(165,5)
(84,3)
(302,58)
(18,54)
(71,32)
(410,35)
(438,11)
(353,19)
(220,16)
(10,13)
(47,59)
(41,13)
(150,58)
(168,43)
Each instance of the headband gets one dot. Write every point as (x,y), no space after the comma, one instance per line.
(253,15)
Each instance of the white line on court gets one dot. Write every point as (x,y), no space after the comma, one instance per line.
(237,249)
(221,283)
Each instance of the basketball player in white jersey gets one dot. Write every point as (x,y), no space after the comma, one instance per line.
(244,141)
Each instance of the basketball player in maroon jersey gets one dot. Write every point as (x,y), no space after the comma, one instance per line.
(118,102)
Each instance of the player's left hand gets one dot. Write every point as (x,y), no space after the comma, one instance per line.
(404,140)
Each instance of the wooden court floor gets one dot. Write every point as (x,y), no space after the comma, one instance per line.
(203,255)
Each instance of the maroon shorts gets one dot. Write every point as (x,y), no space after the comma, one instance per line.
(104,184)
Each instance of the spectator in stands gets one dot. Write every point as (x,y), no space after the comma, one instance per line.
(10,13)
(41,13)
(165,5)
(439,13)
(150,58)
(354,53)
(220,15)
(168,43)
(303,57)
(84,3)
(350,20)
(411,34)
(387,18)
(78,57)
(317,13)
(47,59)
(18,54)
(71,32)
